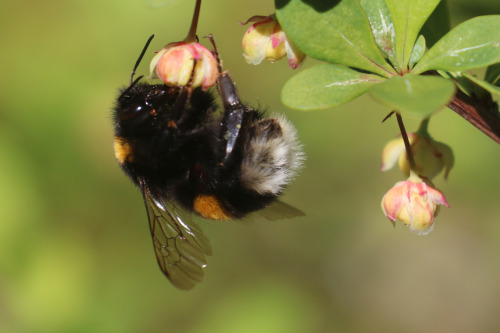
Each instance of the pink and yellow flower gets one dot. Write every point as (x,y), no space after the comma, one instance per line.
(413,202)
(430,156)
(182,63)
(265,40)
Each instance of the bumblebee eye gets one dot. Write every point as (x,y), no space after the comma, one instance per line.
(133,112)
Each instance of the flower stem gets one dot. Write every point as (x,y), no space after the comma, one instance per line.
(191,37)
(422,129)
(409,152)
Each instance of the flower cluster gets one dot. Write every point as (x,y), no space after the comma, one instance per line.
(415,202)
(188,63)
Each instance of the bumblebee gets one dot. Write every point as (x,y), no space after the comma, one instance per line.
(186,156)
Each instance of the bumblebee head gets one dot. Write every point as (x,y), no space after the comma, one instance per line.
(137,108)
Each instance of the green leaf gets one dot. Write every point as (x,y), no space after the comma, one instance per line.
(408,16)
(333,31)
(492,74)
(460,81)
(473,44)
(382,27)
(492,89)
(414,95)
(418,51)
(437,25)
(325,86)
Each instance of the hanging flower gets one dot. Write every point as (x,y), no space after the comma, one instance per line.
(265,40)
(182,63)
(430,156)
(413,202)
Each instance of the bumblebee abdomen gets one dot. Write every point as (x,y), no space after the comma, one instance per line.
(272,157)
(263,163)
(209,207)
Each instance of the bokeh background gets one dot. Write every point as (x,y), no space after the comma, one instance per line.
(75,249)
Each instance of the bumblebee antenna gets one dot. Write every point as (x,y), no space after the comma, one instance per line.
(132,81)
(139,60)
(125,92)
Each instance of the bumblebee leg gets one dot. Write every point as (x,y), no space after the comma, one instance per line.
(215,52)
(183,100)
(234,110)
(179,108)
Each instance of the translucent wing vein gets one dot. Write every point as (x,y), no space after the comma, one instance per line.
(180,245)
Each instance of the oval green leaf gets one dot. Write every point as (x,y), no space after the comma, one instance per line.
(333,31)
(325,86)
(414,95)
(408,16)
(473,44)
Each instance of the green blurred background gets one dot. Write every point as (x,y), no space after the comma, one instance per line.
(75,249)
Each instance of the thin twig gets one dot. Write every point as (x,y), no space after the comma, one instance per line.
(483,115)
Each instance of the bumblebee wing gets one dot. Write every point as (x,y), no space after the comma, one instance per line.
(180,245)
(278,210)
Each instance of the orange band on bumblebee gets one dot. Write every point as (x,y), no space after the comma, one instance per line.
(210,208)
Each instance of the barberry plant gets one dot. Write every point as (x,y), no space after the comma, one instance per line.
(405,56)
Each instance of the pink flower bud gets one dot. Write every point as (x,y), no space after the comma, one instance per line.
(178,63)
(413,202)
(430,156)
(265,40)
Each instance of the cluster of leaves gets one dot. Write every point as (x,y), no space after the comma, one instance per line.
(392,49)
